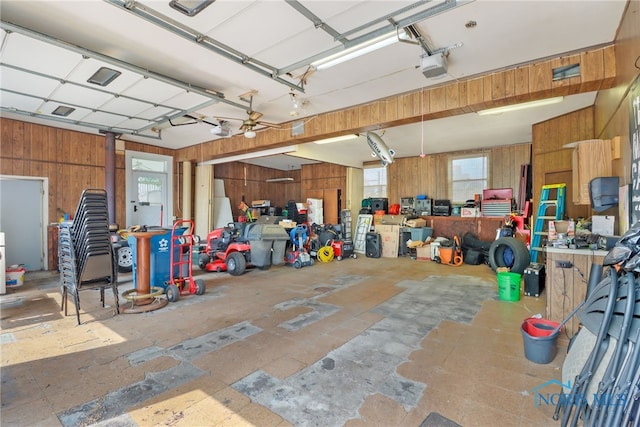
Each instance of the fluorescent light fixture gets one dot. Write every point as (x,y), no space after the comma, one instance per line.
(278,179)
(515,107)
(254,155)
(336,139)
(356,51)
(249,133)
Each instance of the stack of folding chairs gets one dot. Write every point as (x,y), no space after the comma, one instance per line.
(601,372)
(85,252)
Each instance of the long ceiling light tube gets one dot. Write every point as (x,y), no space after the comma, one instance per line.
(366,38)
(354,52)
(522,106)
(336,139)
(246,156)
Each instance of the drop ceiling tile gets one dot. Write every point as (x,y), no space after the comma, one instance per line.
(32,84)
(106,119)
(135,123)
(233,32)
(157,113)
(19,102)
(188,101)
(39,56)
(90,65)
(152,90)
(78,114)
(128,107)
(77,95)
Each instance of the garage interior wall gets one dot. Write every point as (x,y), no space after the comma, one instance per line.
(74,161)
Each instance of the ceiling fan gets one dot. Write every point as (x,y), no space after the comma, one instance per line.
(248,125)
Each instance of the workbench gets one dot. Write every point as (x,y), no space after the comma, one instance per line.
(566,287)
(484,227)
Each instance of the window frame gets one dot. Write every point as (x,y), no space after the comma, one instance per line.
(451,180)
(384,188)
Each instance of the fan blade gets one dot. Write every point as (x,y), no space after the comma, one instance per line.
(219,118)
(271,125)
(254,115)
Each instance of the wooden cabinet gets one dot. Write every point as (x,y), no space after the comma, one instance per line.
(591,159)
(567,287)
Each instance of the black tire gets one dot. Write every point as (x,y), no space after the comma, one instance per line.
(520,254)
(236,264)
(124,257)
(203,260)
(173,293)
(297,263)
(200,287)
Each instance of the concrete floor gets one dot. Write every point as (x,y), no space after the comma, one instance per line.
(378,342)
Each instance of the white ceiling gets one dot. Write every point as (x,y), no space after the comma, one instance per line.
(52,47)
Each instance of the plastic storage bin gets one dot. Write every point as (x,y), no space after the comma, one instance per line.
(421,233)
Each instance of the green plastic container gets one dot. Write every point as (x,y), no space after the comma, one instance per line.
(509,286)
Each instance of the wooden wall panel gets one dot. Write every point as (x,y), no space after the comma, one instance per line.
(410,176)
(72,162)
(551,159)
(254,187)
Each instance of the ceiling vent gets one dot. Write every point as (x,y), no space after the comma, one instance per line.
(433,66)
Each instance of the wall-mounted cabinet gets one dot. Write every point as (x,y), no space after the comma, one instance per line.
(591,159)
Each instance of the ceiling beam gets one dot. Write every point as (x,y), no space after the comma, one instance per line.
(525,82)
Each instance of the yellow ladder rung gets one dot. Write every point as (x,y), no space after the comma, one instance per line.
(554,186)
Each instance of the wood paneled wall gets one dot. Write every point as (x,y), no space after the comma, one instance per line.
(247,182)
(72,162)
(411,176)
(323,176)
(612,106)
(552,164)
(518,84)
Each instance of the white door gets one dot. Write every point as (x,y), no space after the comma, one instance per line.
(149,203)
(22,209)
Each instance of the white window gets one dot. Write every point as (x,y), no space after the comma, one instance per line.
(375,182)
(467,176)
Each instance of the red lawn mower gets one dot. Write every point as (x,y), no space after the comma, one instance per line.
(226,250)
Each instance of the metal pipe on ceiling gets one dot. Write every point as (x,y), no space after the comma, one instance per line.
(410,20)
(209,43)
(219,96)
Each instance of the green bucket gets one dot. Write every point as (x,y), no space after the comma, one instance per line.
(509,286)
